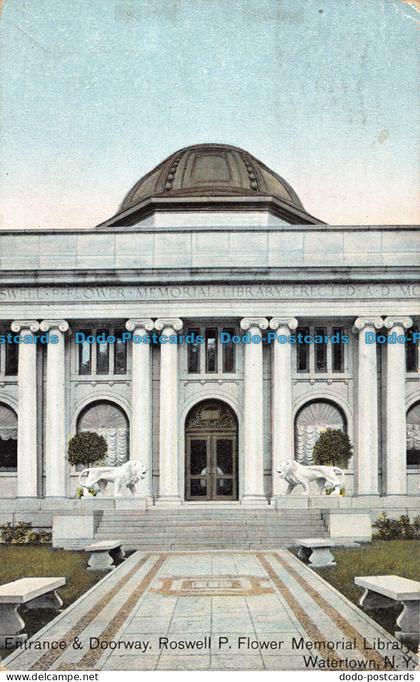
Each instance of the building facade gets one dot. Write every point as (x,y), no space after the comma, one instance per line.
(211,244)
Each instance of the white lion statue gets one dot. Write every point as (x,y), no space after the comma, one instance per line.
(127,474)
(295,474)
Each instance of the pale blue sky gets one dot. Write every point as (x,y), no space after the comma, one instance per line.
(97,92)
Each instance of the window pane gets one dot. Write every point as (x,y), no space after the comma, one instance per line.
(193,353)
(338,351)
(8,455)
(12,354)
(320,351)
(211,350)
(303,352)
(85,354)
(411,350)
(102,353)
(229,353)
(120,354)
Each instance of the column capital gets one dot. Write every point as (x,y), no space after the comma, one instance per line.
(248,322)
(25,325)
(140,322)
(48,325)
(278,322)
(363,322)
(174,322)
(405,322)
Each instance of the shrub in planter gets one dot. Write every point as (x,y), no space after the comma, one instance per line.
(396,529)
(87,448)
(24,534)
(333,448)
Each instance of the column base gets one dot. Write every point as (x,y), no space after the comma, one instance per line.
(254,501)
(168,501)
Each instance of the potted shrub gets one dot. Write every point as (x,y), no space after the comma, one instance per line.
(333,448)
(86,449)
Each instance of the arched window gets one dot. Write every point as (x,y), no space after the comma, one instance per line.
(108,420)
(311,420)
(8,438)
(413,435)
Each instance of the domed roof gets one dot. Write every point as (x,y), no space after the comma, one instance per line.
(210,170)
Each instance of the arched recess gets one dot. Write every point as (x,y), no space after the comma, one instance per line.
(211,452)
(110,421)
(8,438)
(413,435)
(313,418)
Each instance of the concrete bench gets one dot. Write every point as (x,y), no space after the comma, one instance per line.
(103,553)
(316,550)
(34,593)
(382,591)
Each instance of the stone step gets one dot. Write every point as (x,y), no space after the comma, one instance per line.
(202,538)
(169,532)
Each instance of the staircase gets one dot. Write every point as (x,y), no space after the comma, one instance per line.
(187,529)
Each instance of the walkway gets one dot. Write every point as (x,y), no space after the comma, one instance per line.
(212,610)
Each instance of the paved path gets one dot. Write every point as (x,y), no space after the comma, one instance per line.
(230,610)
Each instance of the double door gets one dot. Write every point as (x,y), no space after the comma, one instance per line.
(211,467)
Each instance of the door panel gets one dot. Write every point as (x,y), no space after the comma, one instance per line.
(224,467)
(211,467)
(198,473)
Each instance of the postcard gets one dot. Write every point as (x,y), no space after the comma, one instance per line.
(209,338)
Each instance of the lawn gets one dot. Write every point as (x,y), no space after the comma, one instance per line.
(394,557)
(20,561)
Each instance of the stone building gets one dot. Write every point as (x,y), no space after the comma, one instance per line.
(210,241)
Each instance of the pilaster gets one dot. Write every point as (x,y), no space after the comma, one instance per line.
(367,455)
(141,403)
(253,413)
(169,492)
(282,408)
(395,482)
(27,482)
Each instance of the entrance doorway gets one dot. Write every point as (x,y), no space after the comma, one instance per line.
(211,437)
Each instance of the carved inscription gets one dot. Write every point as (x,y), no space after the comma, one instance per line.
(276,292)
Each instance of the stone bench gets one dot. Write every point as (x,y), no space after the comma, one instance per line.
(382,591)
(316,550)
(34,593)
(103,553)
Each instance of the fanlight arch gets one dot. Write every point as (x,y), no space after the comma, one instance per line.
(108,420)
(413,435)
(311,420)
(8,438)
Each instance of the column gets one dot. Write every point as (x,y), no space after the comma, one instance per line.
(141,403)
(366,465)
(168,420)
(253,413)
(27,485)
(55,410)
(282,410)
(396,457)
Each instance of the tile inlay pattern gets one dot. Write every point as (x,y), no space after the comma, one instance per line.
(213,586)
(213,610)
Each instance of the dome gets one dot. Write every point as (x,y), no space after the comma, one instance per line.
(209,178)
(214,170)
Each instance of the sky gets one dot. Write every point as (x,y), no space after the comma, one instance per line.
(96,93)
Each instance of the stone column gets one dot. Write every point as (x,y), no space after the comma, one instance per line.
(141,404)
(282,410)
(27,483)
(396,458)
(366,465)
(55,404)
(253,440)
(168,420)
